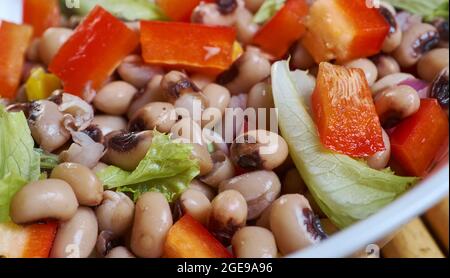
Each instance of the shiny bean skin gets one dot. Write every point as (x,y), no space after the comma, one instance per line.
(390,81)
(217,97)
(417,40)
(134,71)
(119,252)
(85,184)
(108,124)
(259,188)
(397,103)
(187,131)
(386,65)
(292,224)
(260,98)
(152,221)
(51,41)
(223,169)
(43,199)
(76,237)
(394,38)
(115,98)
(252,67)
(259,150)
(156,115)
(201,154)
(196,204)
(369,68)
(115,213)
(228,214)
(432,63)
(380,160)
(254,242)
(206,190)
(152,93)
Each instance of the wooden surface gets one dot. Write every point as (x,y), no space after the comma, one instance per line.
(422,238)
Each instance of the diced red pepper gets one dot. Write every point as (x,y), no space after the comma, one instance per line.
(93,52)
(14,40)
(41,14)
(179,10)
(344,30)
(30,241)
(208,49)
(189,239)
(417,140)
(286,27)
(345,113)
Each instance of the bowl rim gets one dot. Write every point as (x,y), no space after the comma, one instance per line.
(359,236)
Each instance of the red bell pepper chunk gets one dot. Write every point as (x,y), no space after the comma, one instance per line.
(14,40)
(344,30)
(197,47)
(417,140)
(41,14)
(345,113)
(189,239)
(93,52)
(30,241)
(286,27)
(179,10)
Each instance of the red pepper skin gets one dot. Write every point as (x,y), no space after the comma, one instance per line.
(93,52)
(14,40)
(417,140)
(344,30)
(196,47)
(189,239)
(179,10)
(285,28)
(344,112)
(41,15)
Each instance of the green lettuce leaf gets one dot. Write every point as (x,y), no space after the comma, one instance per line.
(347,190)
(166,168)
(126,9)
(268,9)
(19,163)
(429,9)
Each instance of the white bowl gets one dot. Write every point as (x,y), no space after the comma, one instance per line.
(365,233)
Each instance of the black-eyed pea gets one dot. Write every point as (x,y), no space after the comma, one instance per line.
(115,98)
(254,242)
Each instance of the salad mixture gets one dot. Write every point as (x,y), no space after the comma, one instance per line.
(213,128)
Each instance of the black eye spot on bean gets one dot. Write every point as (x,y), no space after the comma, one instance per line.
(425,43)
(390,18)
(313,225)
(56,97)
(95,133)
(443,29)
(440,90)
(182,86)
(137,125)
(123,142)
(35,109)
(227,6)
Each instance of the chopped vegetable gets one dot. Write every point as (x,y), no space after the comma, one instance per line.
(14,40)
(346,190)
(417,140)
(48,160)
(93,52)
(429,9)
(179,10)
(41,15)
(40,84)
(286,27)
(189,239)
(345,113)
(19,163)
(344,30)
(126,9)
(167,168)
(30,241)
(208,49)
(268,9)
